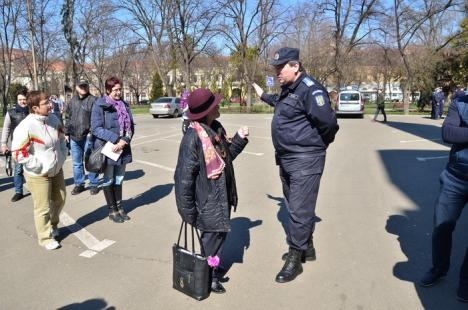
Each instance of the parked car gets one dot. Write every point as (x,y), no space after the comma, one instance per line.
(165,106)
(350,102)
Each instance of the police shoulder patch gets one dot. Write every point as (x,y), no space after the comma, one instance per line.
(307,81)
(320,100)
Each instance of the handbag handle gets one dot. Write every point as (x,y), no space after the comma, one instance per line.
(202,249)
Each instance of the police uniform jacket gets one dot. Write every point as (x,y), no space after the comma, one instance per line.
(303,122)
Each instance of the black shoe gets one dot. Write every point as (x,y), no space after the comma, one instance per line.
(16,197)
(217,287)
(115,217)
(462,292)
(431,277)
(292,267)
(94,190)
(77,189)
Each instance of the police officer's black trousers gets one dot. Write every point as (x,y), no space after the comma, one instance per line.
(213,243)
(300,192)
(452,199)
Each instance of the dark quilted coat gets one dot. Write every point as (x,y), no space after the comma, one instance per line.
(201,201)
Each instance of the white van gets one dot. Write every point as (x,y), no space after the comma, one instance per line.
(350,102)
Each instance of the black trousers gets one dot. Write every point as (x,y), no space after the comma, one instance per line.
(213,243)
(300,189)
(380,108)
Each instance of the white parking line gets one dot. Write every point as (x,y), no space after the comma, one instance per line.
(152,135)
(251,153)
(430,158)
(157,139)
(257,137)
(240,125)
(419,140)
(154,165)
(92,243)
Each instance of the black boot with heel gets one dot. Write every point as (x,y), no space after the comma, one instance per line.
(114,214)
(118,199)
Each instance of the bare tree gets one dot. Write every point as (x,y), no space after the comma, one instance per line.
(192,30)
(349,17)
(409,18)
(150,21)
(10,12)
(248,32)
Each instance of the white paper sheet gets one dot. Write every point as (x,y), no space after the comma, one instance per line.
(107,151)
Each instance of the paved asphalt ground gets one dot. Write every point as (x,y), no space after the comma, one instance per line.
(373,241)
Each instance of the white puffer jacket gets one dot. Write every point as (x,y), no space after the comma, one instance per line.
(39,144)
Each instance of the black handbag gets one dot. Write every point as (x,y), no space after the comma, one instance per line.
(191,274)
(94,160)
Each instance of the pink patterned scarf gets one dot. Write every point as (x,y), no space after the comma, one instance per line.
(214,163)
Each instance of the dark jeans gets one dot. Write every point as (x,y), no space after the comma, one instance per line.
(18,178)
(380,108)
(452,199)
(213,243)
(78,148)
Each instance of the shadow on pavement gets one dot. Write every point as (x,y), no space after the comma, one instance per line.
(150,196)
(423,131)
(419,181)
(6,183)
(90,304)
(282,214)
(237,241)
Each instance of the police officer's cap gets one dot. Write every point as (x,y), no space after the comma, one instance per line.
(283,55)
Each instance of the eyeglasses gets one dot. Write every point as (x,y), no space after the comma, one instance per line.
(117,89)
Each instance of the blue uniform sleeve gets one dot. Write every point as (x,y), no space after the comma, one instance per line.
(320,113)
(452,132)
(269,99)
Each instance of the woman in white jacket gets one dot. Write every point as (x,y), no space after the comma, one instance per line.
(39,144)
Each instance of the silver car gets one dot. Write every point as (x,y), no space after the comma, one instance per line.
(165,106)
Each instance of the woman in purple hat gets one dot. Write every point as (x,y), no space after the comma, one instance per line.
(205,185)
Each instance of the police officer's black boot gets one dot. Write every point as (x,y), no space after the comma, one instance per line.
(292,267)
(118,200)
(114,214)
(307,255)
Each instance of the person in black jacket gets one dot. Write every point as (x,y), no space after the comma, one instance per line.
(453,197)
(303,126)
(205,186)
(77,131)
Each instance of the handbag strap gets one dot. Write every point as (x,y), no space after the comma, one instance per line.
(184,226)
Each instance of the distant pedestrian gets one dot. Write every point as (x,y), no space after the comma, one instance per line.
(184,107)
(452,199)
(12,118)
(205,185)
(380,105)
(112,121)
(39,144)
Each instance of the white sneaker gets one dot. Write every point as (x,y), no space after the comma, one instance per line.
(53,245)
(54,232)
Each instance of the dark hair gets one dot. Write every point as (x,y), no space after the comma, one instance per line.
(110,83)
(33,98)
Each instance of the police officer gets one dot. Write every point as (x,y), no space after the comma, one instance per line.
(452,198)
(303,126)
(13,117)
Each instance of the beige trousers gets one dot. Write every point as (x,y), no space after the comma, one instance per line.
(48,194)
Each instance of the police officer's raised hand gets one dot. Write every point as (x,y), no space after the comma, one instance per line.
(258,89)
(243,132)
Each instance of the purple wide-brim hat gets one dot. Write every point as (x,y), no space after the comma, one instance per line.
(201,102)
